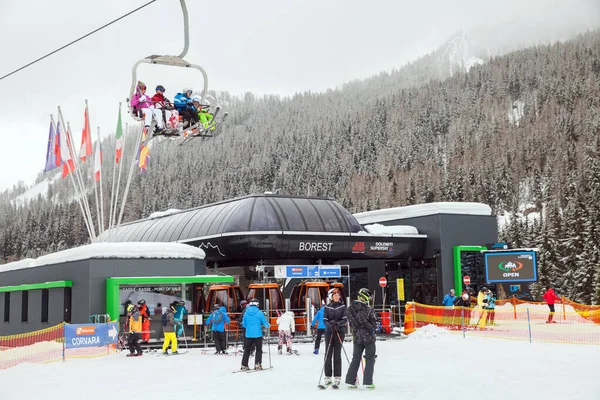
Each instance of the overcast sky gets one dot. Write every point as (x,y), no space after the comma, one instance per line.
(261,46)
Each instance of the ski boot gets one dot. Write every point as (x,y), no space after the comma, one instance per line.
(336,382)
(258,367)
(174,353)
(352,386)
(327,381)
(245,368)
(131,355)
(371,386)
(289,351)
(279,350)
(165,353)
(316,351)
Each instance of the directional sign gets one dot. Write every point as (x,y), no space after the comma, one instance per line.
(308,271)
(90,335)
(467,280)
(382,282)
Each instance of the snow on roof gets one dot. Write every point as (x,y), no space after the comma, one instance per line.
(420,210)
(111,250)
(159,214)
(378,229)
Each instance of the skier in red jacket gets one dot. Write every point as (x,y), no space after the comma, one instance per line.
(550,297)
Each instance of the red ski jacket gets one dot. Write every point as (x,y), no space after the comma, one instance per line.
(550,296)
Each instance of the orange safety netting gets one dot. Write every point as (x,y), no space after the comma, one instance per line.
(42,346)
(516,320)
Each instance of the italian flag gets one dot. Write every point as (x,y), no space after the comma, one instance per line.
(119,137)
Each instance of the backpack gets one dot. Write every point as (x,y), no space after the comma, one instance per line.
(164,320)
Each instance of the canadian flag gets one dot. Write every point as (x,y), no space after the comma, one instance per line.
(97,161)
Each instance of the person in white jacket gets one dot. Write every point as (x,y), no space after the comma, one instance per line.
(287,328)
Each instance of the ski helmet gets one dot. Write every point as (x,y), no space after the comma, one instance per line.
(243,303)
(253,302)
(196,98)
(332,292)
(161,88)
(130,308)
(181,303)
(364,295)
(142,302)
(216,306)
(484,289)
(187,89)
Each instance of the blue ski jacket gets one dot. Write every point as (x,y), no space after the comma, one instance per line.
(180,312)
(253,321)
(218,319)
(318,321)
(181,102)
(448,300)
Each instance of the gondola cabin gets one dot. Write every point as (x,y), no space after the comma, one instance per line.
(271,292)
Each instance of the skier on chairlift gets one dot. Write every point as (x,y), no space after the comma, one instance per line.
(185,107)
(170,115)
(204,115)
(143,104)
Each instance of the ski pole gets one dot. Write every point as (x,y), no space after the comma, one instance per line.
(269,345)
(342,344)
(325,359)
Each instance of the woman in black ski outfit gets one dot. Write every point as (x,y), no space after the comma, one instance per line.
(335,321)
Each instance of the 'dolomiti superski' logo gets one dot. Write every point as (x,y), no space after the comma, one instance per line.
(510,266)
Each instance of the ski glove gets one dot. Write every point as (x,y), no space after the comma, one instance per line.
(143,98)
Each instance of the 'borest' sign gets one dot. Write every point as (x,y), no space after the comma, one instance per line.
(90,335)
(511,266)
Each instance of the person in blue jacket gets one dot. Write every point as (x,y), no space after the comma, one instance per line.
(253,321)
(320,327)
(449,298)
(218,319)
(180,312)
(185,107)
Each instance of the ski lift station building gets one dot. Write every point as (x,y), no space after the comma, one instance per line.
(423,244)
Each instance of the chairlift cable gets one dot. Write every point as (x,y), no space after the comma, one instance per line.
(85,36)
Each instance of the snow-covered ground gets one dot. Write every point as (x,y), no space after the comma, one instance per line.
(431,364)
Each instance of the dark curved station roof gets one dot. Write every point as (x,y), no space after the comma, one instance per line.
(254,213)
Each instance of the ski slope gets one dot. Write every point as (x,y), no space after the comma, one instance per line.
(431,364)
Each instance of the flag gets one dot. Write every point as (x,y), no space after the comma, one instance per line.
(65,154)
(119,137)
(144,153)
(97,161)
(86,137)
(52,154)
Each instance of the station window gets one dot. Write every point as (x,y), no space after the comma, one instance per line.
(45,298)
(24,306)
(6,306)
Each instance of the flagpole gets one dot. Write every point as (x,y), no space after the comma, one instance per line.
(138,143)
(113,199)
(119,174)
(96,192)
(87,225)
(101,198)
(79,178)
(79,175)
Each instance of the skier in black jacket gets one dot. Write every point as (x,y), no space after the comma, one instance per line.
(363,323)
(335,321)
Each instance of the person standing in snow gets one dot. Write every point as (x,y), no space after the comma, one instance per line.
(491,306)
(482,300)
(145,313)
(319,325)
(449,298)
(135,329)
(335,321)
(218,319)
(168,323)
(287,328)
(253,321)
(179,314)
(550,298)
(363,322)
